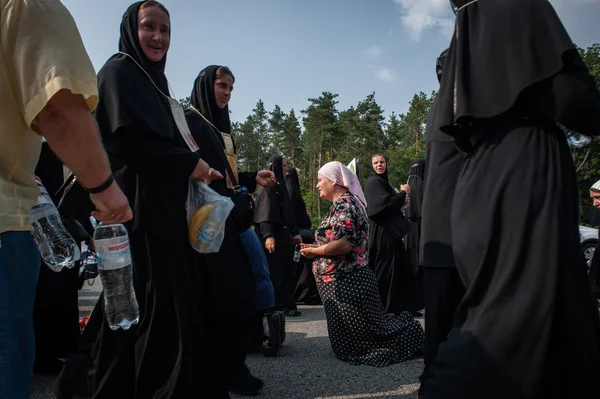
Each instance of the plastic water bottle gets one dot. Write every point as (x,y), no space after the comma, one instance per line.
(56,246)
(115,269)
(574,139)
(297,253)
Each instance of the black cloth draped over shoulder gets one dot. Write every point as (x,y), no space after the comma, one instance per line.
(382,199)
(534,48)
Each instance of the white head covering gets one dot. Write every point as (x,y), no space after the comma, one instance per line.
(342,176)
(596,186)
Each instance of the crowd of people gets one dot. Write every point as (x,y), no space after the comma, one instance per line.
(483,237)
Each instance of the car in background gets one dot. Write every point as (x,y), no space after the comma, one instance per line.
(588,237)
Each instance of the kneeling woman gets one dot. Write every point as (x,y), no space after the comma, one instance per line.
(359,329)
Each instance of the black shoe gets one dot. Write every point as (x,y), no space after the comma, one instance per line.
(282,328)
(272,323)
(49,366)
(248,385)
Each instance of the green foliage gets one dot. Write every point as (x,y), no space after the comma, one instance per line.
(186,102)
(357,132)
(587,159)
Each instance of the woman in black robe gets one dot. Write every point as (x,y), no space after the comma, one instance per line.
(416,174)
(442,286)
(275,225)
(527,326)
(232,282)
(387,254)
(170,353)
(305,286)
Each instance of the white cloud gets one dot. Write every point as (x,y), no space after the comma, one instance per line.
(373,51)
(419,15)
(384,74)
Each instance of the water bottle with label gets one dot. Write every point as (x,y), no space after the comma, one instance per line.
(56,246)
(115,269)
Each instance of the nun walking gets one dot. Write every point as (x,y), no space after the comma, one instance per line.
(275,222)
(387,254)
(442,287)
(527,326)
(171,351)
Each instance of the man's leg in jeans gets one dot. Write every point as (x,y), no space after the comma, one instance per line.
(19,268)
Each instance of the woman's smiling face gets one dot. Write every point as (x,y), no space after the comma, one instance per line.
(154,32)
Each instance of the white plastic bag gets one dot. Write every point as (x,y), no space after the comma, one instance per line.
(207,212)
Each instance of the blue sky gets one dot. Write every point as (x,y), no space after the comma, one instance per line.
(285,51)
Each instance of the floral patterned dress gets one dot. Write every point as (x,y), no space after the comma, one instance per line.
(359,330)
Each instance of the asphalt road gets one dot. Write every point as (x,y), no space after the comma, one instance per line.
(305,367)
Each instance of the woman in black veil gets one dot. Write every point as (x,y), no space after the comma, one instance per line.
(276,226)
(527,326)
(171,351)
(304,280)
(387,254)
(237,293)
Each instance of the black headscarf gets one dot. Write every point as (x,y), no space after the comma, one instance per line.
(499,49)
(273,204)
(203,99)
(292,183)
(378,191)
(416,174)
(127,96)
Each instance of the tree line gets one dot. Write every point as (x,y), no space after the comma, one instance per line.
(330,134)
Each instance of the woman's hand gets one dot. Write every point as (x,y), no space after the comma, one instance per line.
(405,188)
(308,251)
(270,244)
(205,173)
(298,239)
(266,178)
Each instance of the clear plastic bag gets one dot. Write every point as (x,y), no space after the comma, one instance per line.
(207,212)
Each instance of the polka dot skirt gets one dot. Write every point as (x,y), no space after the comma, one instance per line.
(360,331)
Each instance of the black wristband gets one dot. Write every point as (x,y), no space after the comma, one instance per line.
(102,187)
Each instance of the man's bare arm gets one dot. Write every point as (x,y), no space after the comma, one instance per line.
(71,132)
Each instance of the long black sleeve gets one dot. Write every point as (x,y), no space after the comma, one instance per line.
(248,179)
(394,207)
(570,97)
(267,229)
